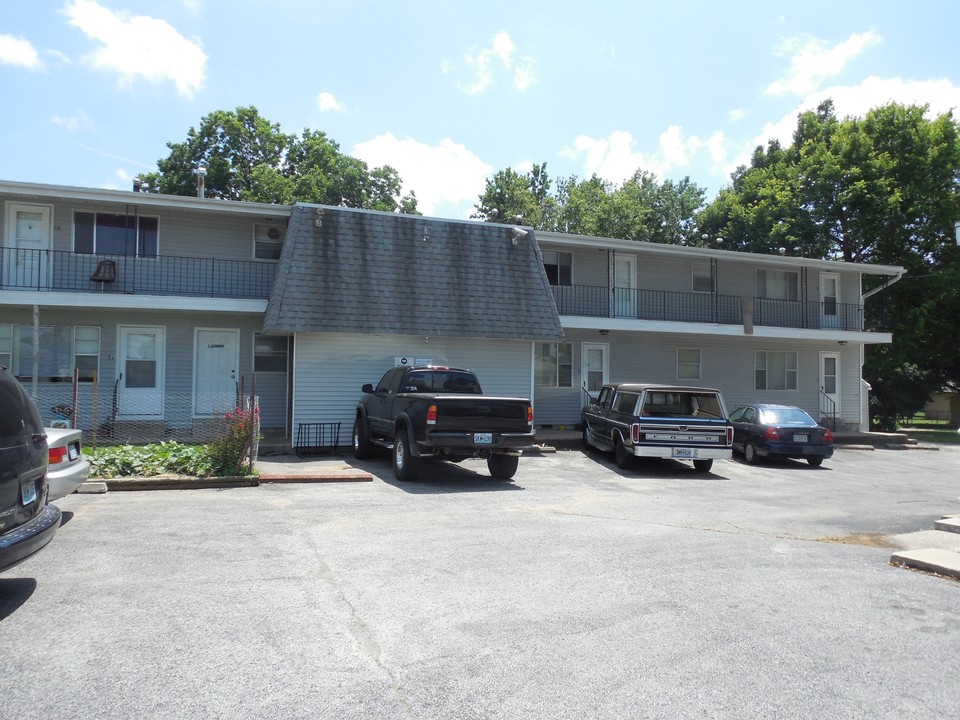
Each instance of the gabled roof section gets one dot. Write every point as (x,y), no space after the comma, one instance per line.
(359,271)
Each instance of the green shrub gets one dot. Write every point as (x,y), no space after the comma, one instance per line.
(165,458)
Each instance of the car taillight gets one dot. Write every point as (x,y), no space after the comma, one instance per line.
(771,433)
(635,432)
(530,414)
(729,436)
(56,455)
(827,436)
(432,415)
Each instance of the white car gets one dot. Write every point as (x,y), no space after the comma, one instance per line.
(67,469)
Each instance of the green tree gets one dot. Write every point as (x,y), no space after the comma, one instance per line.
(640,209)
(249,158)
(885,189)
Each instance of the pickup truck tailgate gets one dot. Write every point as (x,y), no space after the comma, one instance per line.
(472,413)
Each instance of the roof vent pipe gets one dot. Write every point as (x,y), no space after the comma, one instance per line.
(201,173)
(136,184)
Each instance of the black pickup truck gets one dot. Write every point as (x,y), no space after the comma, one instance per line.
(663,421)
(441,412)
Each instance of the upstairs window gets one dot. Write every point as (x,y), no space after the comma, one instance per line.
(778,284)
(112,234)
(702,275)
(559,267)
(267,241)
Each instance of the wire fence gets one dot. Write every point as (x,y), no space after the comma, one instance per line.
(109,416)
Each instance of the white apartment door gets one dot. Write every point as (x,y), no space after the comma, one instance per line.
(625,285)
(594,367)
(217,360)
(140,368)
(26,262)
(829,300)
(830,383)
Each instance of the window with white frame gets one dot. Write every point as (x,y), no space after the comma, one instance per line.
(97,233)
(559,267)
(269,353)
(267,241)
(553,365)
(775,370)
(702,276)
(688,363)
(778,284)
(61,349)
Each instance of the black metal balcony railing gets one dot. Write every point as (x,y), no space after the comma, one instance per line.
(668,306)
(164,275)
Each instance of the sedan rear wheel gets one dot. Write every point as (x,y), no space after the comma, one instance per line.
(815,461)
(749,453)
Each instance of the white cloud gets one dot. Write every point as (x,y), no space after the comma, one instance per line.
(736,115)
(614,159)
(328,103)
(137,46)
(75,122)
(812,62)
(19,52)
(489,63)
(447,174)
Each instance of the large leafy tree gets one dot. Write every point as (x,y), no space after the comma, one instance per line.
(884,188)
(249,158)
(642,208)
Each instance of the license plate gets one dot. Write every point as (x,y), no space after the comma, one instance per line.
(801,438)
(29,492)
(482,438)
(684,452)
(73,452)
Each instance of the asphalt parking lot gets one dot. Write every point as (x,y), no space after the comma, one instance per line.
(577,590)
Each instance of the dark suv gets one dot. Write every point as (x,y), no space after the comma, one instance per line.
(27,522)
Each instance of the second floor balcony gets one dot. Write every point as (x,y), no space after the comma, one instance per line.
(57,270)
(670,306)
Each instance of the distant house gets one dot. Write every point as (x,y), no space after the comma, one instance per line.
(167,307)
(944,406)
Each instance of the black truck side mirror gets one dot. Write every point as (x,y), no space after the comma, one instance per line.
(367,388)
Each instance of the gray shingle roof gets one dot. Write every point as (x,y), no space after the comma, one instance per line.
(385,273)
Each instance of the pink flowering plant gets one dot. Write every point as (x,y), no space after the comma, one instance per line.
(230,454)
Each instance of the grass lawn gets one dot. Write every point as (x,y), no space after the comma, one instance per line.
(938,435)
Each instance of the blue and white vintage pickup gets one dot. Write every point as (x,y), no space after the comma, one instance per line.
(662,421)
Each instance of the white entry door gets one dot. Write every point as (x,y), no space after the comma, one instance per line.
(830,383)
(594,366)
(829,300)
(217,360)
(26,262)
(140,372)
(625,285)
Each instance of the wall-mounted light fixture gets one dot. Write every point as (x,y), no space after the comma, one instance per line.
(604,332)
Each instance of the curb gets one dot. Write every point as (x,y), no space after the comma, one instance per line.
(328,477)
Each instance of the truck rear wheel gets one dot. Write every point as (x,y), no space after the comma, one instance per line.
(362,447)
(503,467)
(703,465)
(406,467)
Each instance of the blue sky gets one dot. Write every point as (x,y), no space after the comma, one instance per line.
(448,92)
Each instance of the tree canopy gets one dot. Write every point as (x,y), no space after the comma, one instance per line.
(640,209)
(884,189)
(249,158)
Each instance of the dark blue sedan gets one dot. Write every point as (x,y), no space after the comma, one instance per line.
(780,431)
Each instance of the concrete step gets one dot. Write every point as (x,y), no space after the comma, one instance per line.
(948,524)
(935,560)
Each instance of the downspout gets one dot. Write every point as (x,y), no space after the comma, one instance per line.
(884,286)
(865,421)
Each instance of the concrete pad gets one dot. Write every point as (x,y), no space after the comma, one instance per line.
(942,562)
(926,539)
(948,525)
